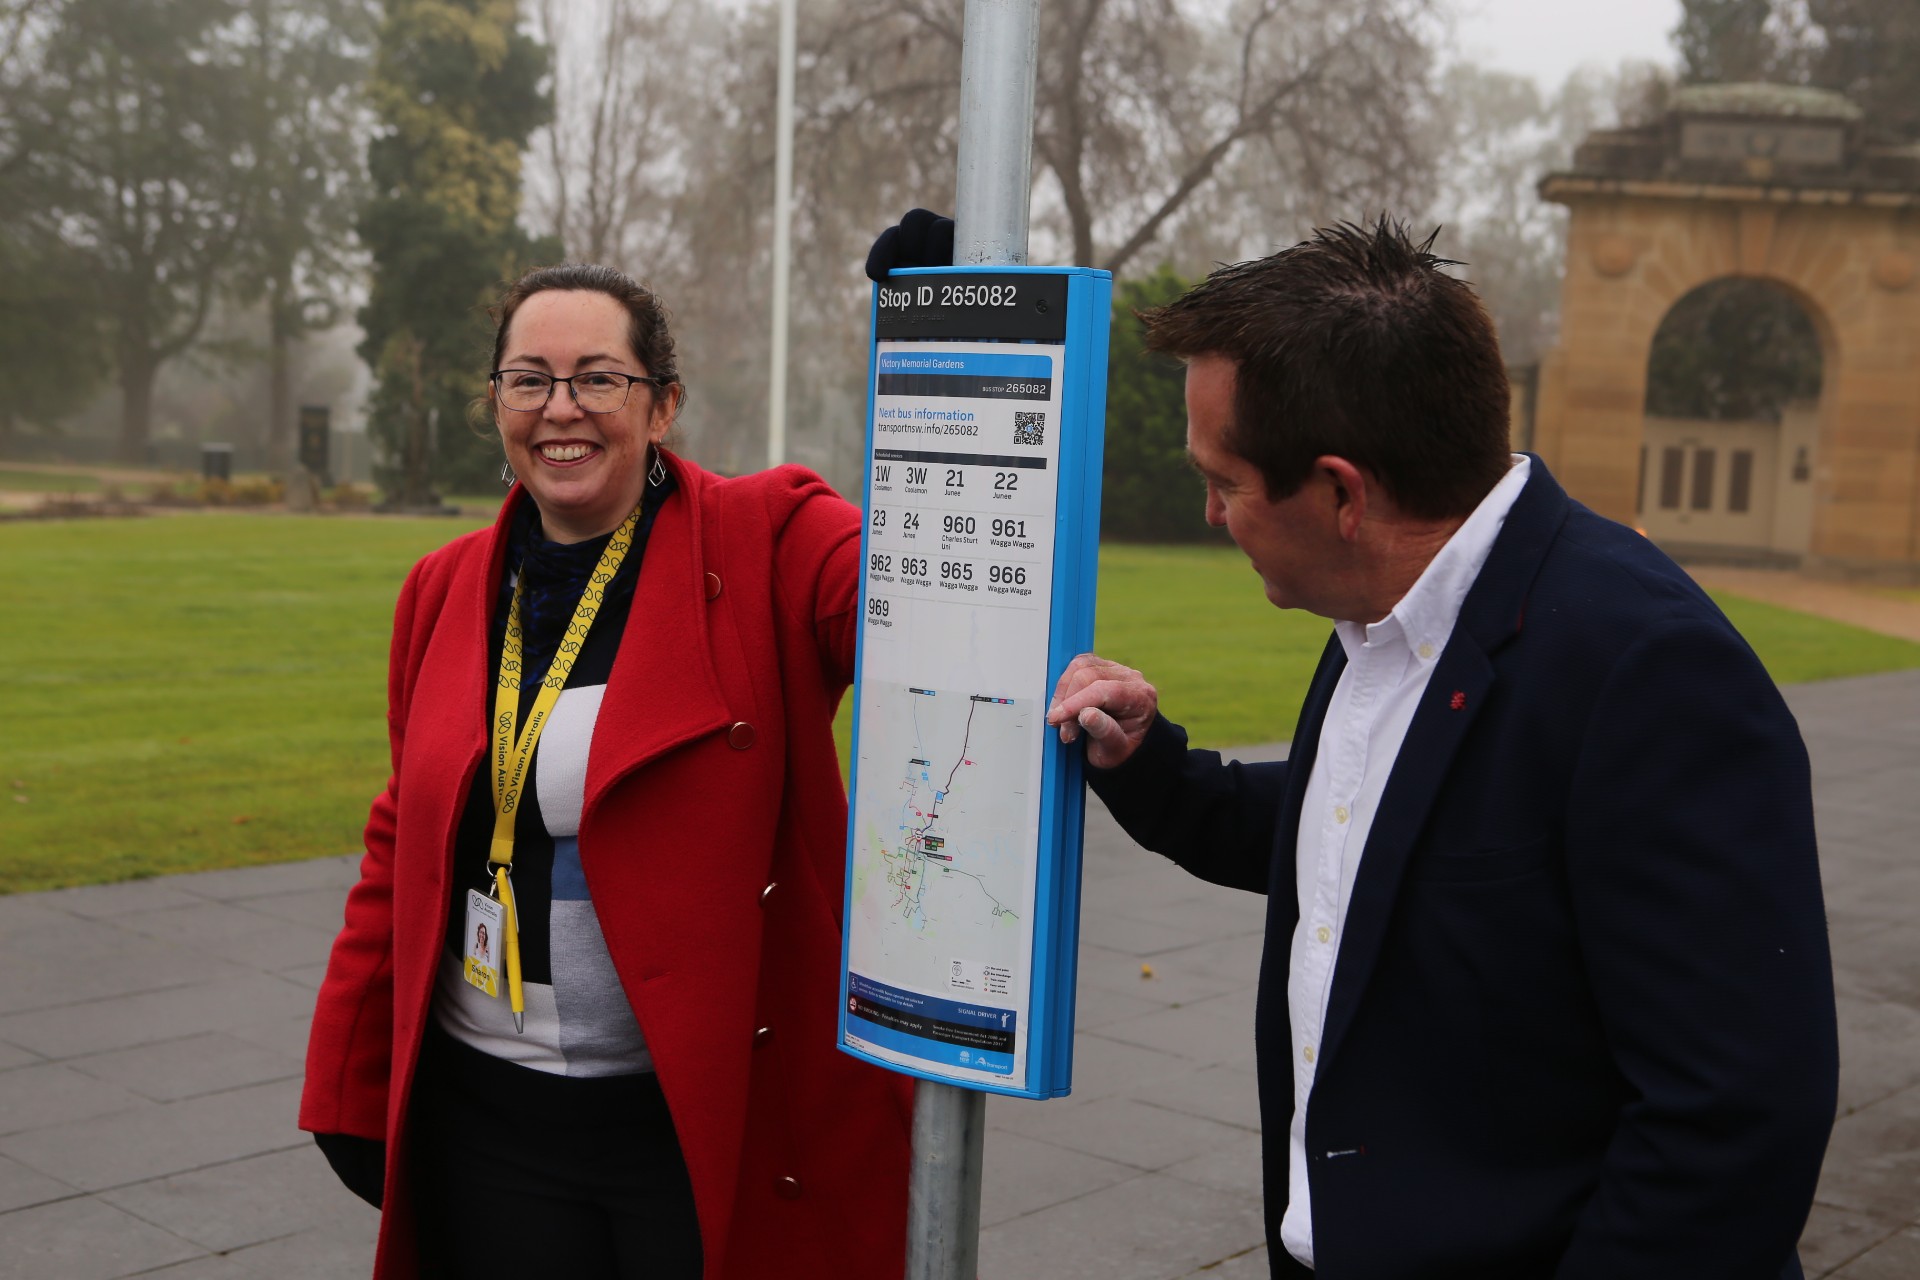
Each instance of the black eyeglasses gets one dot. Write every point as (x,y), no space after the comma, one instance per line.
(596,391)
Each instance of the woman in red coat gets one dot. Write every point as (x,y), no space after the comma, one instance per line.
(610,718)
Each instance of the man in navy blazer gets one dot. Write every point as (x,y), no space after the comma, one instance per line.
(1546,990)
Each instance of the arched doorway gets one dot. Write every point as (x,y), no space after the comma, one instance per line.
(1756,183)
(1730,433)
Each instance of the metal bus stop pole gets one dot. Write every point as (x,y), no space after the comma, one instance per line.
(998,55)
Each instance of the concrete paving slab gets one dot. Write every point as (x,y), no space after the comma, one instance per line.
(1884,965)
(1236,956)
(277,947)
(1216,1032)
(83,1239)
(239,883)
(286,1036)
(1147,1228)
(1023,1175)
(26,912)
(104,901)
(12,1055)
(1219,913)
(1176,978)
(319,908)
(1228,1095)
(1233,1166)
(243,1202)
(21,1187)
(1105,1068)
(1835,1237)
(197,923)
(190,1066)
(1096,1006)
(1133,937)
(1879,1051)
(1127,1132)
(1251,1265)
(306,975)
(52,1093)
(82,960)
(338,1251)
(210,1267)
(1873,1160)
(98,1025)
(1895,1259)
(113,1151)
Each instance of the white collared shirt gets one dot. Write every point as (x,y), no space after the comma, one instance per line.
(1388,665)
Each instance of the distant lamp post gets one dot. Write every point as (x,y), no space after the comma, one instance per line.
(782,239)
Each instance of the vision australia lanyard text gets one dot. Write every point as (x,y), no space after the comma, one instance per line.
(513,745)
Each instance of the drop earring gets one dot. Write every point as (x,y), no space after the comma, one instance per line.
(506,474)
(657,474)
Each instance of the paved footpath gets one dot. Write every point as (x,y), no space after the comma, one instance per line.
(151,1037)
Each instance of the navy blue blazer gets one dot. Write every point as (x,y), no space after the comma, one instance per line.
(1581,1022)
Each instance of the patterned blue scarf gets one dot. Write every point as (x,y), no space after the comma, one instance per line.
(556,574)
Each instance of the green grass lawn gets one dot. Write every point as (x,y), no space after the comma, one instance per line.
(194,691)
(207,690)
(48,481)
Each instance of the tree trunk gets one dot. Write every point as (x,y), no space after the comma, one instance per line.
(278,450)
(137,369)
(416,491)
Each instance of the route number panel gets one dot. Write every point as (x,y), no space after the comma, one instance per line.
(981,524)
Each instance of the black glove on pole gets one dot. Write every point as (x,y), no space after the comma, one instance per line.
(922,239)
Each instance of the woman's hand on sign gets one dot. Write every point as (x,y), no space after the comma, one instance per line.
(922,239)
(1113,704)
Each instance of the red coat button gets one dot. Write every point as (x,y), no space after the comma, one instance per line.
(787,1188)
(713,586)
(740,737)
(761,1036)
(768,892)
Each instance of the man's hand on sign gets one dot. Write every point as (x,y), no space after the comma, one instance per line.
(1112,703)
(923,239)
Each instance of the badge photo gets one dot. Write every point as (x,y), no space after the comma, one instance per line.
(485,937)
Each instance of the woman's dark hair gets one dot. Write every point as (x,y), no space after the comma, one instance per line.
(1356,344)
(648,331)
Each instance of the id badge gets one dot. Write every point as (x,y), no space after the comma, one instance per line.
(485,941)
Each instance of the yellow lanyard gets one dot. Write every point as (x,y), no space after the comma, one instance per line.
(513,749)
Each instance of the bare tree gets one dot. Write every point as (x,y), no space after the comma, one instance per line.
(1168,130)
(1144,106)
(1499,134)
(606,175)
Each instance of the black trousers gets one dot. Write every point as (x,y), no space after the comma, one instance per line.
(521,1173)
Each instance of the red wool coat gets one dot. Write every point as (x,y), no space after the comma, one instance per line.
(713,842)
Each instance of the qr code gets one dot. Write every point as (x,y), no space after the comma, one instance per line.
(1029,428)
